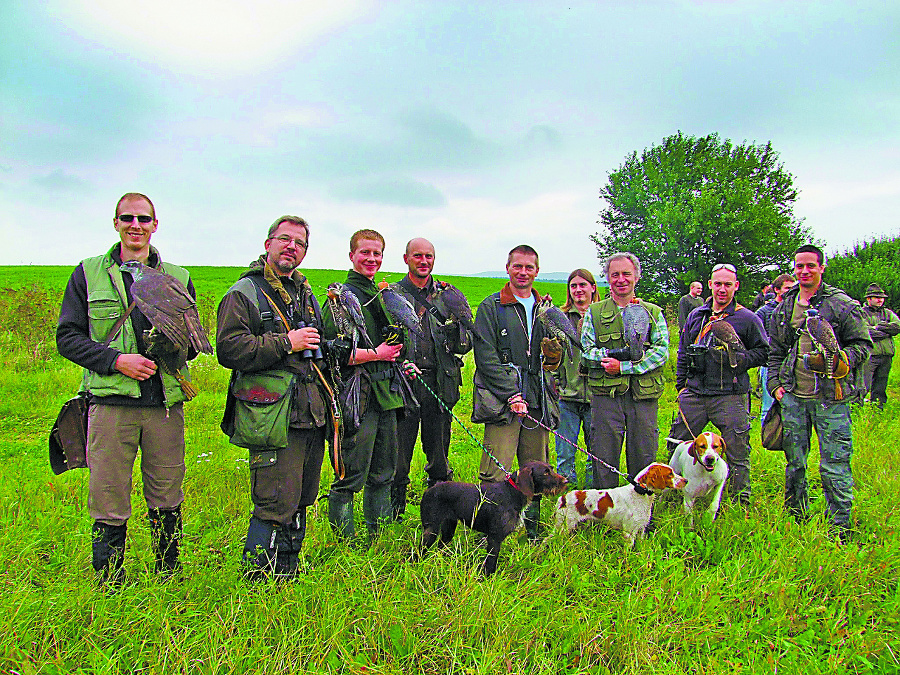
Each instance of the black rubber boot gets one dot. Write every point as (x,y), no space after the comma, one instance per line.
(108,554)
(376,507)
(165,536)
(398,502)
(532,517)
(259,549)
(340,514)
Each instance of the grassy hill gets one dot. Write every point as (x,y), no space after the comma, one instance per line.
(753,592)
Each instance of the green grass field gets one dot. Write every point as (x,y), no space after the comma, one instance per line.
(752,593)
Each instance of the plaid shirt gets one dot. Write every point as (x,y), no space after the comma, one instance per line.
(655,357)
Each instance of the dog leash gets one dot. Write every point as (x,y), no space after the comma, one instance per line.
(466,429)
(639,488)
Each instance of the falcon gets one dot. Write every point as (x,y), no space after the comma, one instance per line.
(451,300)
(727,339)
(636,322)
(347,312)
(557,324)
(172,312)
(400,309)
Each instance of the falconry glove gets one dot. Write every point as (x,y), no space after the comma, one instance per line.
(553,352)
(840,365)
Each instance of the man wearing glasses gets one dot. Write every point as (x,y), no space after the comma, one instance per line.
(278,406)
(711,374)
(132,403)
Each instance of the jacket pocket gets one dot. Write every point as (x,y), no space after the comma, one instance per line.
(648,386)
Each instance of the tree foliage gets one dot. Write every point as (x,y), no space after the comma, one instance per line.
(866,263)
(690,203)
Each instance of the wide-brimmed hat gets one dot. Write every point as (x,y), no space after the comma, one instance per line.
(874,291)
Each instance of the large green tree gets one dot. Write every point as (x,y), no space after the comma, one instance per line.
(689,203)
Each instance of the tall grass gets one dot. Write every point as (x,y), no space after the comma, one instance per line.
(753,592)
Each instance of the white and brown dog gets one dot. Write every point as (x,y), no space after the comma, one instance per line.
(627,508)
(702,462)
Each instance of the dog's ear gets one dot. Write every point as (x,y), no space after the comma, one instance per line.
(724,451)
(525,482)
(692,450)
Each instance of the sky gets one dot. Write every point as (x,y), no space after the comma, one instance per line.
(478,125)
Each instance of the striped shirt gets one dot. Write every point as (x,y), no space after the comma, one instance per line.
(654,357)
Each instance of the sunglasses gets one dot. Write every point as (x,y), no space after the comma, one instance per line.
(128,218)
(724,266)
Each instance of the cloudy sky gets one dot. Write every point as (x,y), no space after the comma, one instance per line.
(479,125)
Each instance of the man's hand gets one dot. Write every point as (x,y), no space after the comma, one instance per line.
(611,366)
(386,352)
(303,338)
(517,404)
(553,352)
(779,393)
(135,366)
(410,369)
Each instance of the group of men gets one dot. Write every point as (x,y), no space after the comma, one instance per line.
(344,373)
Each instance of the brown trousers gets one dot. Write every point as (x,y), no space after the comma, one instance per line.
(114,435)
(512,441)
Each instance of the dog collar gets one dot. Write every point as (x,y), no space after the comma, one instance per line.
(511,482)
(641,490)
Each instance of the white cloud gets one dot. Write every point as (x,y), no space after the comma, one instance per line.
(209,37)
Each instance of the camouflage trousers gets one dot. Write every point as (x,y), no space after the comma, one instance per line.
(832,424)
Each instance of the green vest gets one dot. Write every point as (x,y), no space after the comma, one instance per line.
(107,301)
(606,318)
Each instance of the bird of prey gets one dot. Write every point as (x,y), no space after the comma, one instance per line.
(172,312)
(727,339)
(347,312)
(451,301)
(557,324)
(400,309)
(823,338)
(636,323)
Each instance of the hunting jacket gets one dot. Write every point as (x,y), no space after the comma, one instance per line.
(883,326)
(245,343)
(443,343)
(96,296)
(572,384)
(850,328)
(502,372)
(718,378)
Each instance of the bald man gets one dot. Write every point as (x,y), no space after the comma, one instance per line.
(437,357)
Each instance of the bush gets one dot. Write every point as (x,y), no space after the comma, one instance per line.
(866,263)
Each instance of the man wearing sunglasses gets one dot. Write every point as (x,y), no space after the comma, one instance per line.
(711,374)
(268,331)
(132,402)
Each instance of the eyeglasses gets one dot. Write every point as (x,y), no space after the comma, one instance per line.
(128,218)
(286,239)
(724,266)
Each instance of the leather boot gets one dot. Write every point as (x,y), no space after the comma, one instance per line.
(376,507)
(532,517)
(108,553)
(340,514)
(259,549)
(165,535)
(288,542)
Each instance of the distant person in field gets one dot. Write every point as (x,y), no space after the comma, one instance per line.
(574,393)
(883,326)
(514,356)
(814,392)
(369,450)
(624,391)
(269,332)
(760,298)
(781,284)
(711,374)
(133,404)
(689,302)
(440,370)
